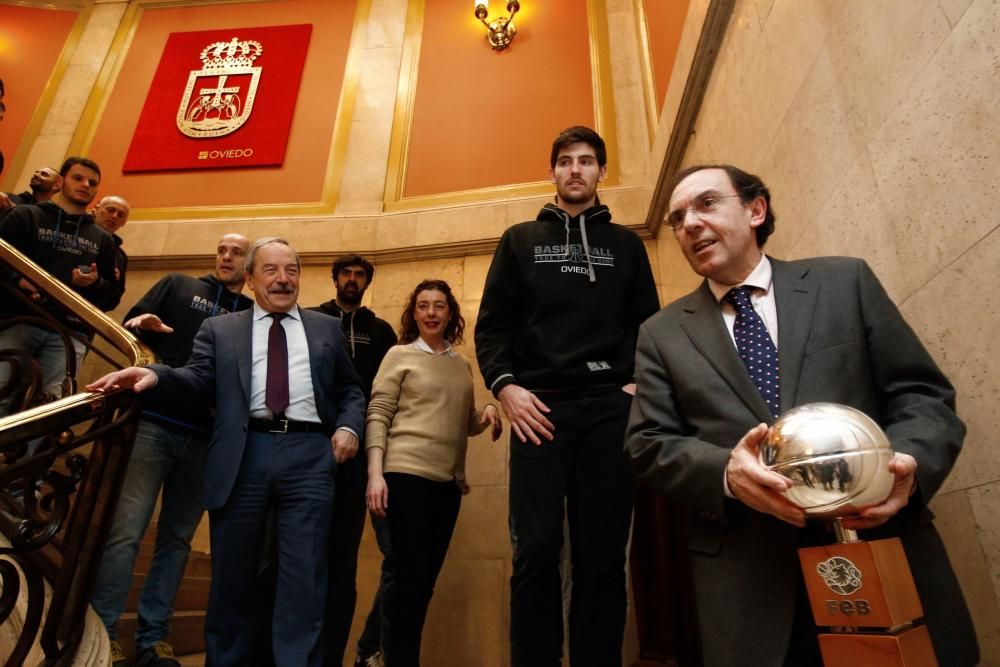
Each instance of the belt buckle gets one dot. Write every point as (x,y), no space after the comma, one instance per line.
(282,429)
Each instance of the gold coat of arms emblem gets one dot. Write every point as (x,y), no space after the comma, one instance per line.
(215,110)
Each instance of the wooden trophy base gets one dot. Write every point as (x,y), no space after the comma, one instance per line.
(866,584)
(907,648)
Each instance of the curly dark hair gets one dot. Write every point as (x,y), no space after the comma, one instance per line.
(453,331)
(748,187)
(352,260)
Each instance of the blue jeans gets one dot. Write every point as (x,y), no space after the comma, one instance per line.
(46,348)
(172,459)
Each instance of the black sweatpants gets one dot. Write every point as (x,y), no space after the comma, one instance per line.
(583,470)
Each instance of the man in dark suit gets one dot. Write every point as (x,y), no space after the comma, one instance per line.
(700,413)
(284,391)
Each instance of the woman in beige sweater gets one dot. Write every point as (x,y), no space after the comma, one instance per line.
(421,414)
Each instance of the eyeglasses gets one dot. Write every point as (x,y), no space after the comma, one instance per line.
(703,205)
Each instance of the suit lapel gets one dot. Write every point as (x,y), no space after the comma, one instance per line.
(314,339)
(795,299)
(243,340)
(705,327)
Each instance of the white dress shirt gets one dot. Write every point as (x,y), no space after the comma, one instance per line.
(301,398)
(762,299)
(421,344)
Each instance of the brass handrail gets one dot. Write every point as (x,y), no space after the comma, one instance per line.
(121,339)
(57,501)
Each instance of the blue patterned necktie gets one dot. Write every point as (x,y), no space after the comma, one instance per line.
(756,347)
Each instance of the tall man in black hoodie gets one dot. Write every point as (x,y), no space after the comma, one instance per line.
(169,453)
(555,341)
(59,236)
(368,340)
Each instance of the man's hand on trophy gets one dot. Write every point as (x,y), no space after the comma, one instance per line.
(756,486)
(904,470)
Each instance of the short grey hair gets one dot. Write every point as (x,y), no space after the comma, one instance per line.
(260,243)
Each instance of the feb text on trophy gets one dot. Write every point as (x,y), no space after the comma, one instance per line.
(863,592)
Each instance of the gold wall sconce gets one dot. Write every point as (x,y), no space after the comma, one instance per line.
(501,29)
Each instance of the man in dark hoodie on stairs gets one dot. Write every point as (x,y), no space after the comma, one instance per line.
(44,184)
(111,215)
(59,236)
(368,340)
(169,453)
(555,340)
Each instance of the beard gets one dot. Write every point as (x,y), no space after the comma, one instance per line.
(350,297)
(579,197)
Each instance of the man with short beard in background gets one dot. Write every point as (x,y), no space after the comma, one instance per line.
(368,339)
(45,182)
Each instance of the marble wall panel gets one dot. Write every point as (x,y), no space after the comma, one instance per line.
(936,156)
(950,318)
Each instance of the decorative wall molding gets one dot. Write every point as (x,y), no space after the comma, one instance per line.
(377,257)
(712,33)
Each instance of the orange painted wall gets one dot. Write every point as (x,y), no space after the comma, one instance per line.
(664,23)
(483,118)
(27,57)
(301,177)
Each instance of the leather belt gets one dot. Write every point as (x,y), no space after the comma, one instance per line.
(261,425)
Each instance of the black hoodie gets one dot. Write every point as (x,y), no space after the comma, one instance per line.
(121,264)
(562,304)
(182,302)
(60,242)
(368,340)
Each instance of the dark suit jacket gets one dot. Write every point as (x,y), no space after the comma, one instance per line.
(842,340)
(219,371)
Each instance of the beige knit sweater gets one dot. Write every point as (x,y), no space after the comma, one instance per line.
(422,412)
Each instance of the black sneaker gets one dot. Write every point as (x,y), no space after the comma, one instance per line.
(160,654)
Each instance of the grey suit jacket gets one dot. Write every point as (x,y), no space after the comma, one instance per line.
(219,372)
(842,340)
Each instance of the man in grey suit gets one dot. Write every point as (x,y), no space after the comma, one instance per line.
(700,413)
(289,407)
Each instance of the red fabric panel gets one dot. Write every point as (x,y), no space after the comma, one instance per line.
(261,136)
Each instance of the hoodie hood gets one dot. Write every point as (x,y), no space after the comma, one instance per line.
(597,214)
(362,314)
(224,301)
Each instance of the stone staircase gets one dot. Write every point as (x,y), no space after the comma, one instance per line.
(188,625)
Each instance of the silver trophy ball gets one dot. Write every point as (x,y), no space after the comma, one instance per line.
(836,457)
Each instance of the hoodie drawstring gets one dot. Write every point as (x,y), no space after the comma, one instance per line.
(586,248)
(215,305)
(352,336)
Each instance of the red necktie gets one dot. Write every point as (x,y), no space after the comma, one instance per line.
(276,393)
